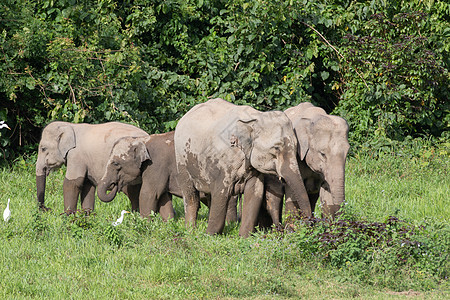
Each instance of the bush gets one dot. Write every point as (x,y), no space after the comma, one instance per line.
(402,88)
(376,253)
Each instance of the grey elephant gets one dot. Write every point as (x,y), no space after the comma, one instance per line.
(322,151)
(84,149)
(224,149)
(151,158)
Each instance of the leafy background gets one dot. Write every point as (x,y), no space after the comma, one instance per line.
(382,65)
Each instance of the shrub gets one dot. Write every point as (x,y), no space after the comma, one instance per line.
(373,252)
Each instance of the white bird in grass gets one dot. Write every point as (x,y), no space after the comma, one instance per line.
(4,125)
(7,212)
(120,219)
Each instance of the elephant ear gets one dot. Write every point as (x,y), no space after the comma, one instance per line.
(303,131)
(140,151)
(243,136)
(67,139)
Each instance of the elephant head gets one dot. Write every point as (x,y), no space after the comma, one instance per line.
(323,146)
(58,138)
(270,145)
(123,167)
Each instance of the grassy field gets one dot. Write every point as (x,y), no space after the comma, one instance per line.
(47,255)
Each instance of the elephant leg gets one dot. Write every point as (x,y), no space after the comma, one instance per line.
(148,202)
(217,211)
(274,206)
(274,192)
(253,195)
(133,192)
(290,207)
(232,210)
(87,196)
(271,207)
(166,206)
(71,190)
(153,196)
(191,206)
(191,197)
(206,200)
(264,218)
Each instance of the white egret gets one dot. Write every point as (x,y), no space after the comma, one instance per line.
(4,125)
(120,219)
(7,212)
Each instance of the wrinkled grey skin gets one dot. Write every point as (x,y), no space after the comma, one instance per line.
(224,149)
(322,152)
(84,149)
(153,159)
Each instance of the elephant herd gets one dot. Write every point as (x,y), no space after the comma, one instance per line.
(217,152)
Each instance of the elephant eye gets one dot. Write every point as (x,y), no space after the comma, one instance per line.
(323,155)
(43,149)
(115,164)
(274,151)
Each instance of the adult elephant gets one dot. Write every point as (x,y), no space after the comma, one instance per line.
(224,149)
(152,158)
(84,149)
(322,152)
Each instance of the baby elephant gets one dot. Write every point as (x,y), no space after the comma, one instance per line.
(153,158)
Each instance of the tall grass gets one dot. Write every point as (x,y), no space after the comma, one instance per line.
(49,255)
(400,183)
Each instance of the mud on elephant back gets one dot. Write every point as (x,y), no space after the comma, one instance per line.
(84,149)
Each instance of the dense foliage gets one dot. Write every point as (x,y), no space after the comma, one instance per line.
(383,65)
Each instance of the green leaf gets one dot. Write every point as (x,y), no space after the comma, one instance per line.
(309,53)
(324,75)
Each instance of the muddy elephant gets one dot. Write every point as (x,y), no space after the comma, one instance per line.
(153,159)
(322,151)
(84,149)
(224,149)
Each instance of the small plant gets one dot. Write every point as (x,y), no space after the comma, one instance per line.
(37,224)
(79,221)
(113,235)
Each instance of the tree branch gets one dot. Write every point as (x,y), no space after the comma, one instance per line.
(332,47)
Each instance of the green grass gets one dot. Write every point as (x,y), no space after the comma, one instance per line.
(408,187)
(47,255)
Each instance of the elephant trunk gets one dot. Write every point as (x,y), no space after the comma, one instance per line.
(102,191)
(40,189)
(337,190)
(296,196)
(41,177)
(338,193)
